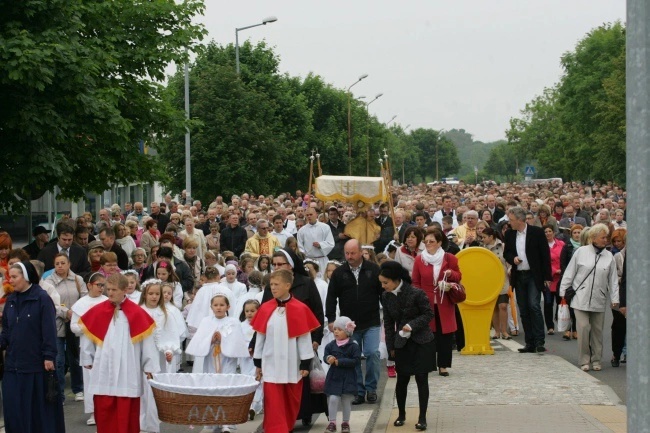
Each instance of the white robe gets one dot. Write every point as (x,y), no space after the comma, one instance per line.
(247,367)
(233,345)
(181,328)
(238,290)
(201,304)
(166,338)
(239,307)
(79,309)
(118,364)
(280,355)
(134,296)
(321,233)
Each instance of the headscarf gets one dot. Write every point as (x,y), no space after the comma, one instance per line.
(295,262)
(29,271)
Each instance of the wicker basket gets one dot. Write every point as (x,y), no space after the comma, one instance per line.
(191,409)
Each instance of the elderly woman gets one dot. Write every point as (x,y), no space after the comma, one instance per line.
(71,288)
(407,253)
(432,266)
(492,240)
(108,264)
(212,239)
(592,274)
(31,351)
(409,340)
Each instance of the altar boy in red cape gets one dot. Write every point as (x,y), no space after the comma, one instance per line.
(283,352)
(119,348)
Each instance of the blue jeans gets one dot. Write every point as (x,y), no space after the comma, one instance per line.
(67,350)
(530,310)
(368,340)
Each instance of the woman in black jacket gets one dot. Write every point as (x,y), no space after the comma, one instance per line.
(409,340)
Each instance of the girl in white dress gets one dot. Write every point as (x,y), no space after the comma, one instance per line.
(218,343)
(230,281)
(246,365)
(95,284)
(133,289)
(174,314)
(167,342)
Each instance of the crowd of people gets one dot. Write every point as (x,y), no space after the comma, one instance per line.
(205,280)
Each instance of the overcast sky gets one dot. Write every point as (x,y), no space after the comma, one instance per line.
(468,64)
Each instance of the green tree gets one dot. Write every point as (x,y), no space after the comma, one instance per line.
(80,92)
(433,147)
(501,162)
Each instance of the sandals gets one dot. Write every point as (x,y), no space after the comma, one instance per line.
(506,337)
(551,331)
(514,333)
(597,367)
(567,336)
(585,367)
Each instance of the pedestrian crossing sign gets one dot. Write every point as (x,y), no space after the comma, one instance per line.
(529,171)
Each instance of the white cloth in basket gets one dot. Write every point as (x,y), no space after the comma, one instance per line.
(207,384)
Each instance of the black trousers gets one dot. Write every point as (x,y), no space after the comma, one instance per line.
(619,328)
(444,343)
(401,387)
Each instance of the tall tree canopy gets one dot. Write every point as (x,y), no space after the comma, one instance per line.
(576,129)
(80,91)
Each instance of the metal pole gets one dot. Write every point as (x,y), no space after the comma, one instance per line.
(237,50)
(188,163)
(349,136)
(368,139)
(638,174)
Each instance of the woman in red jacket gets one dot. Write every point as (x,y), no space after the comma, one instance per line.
(432,266)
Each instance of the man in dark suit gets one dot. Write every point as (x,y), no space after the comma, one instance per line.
(497,213)
(570,218)
(528,252)
(400,226)
(162,219)
(79,263)
(387,231)
(340,238)
(107,236)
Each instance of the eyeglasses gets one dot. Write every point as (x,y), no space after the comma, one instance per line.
(262,228)
(275,264)
(102,285)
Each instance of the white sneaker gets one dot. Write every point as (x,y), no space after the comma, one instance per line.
(79,396)
(91,420)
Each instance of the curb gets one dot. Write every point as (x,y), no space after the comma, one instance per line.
(380,417)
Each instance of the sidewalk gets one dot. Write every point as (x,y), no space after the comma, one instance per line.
(510,392)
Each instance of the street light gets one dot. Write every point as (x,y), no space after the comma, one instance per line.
(379,95)
(237,30)
(364,76)
(391,120)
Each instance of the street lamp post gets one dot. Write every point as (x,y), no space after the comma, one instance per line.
(350,123)
(403,157)
(386,141)
(237,30)
(368,133)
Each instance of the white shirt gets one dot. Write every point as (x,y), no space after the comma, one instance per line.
(521,250)
(282,236)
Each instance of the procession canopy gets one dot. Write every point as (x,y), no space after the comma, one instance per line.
(360,191)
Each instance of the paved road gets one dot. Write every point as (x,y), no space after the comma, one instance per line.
(612,377)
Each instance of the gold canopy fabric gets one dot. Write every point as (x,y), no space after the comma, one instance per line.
(366,232)
(351,189)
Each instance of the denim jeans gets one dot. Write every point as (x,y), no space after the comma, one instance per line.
(530,310)
(65,349)
(368,340)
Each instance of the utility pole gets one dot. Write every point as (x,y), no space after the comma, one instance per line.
(638,174)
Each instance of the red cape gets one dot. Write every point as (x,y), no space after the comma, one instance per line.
(300,319)
(95,322)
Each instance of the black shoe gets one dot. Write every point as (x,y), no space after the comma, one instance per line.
(540,349)
(190,363)
(359,399)
(527,349)
(399,422)
(616,362)
(306,422)
(421,425)
(443,373)
(371,396)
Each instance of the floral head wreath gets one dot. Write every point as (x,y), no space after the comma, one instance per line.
(334,262)
(130,272)
(149,282)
